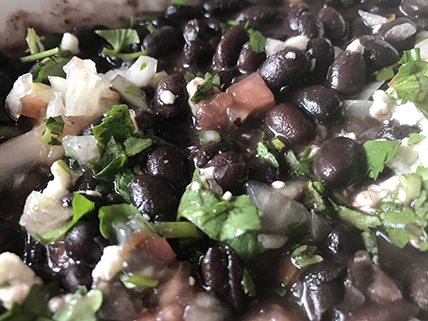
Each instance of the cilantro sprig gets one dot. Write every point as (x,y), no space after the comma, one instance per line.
(379,154)
(120,40)
(53,130)
(207,87)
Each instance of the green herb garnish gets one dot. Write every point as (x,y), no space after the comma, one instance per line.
(54,127)
(138,280)
(33,41)
(180,2)
(415,138)
(379,154)
(120,40)
(41,55)
(301,166)
(305,255)
(263,152)
(257,41)
(82,305)
(207,87)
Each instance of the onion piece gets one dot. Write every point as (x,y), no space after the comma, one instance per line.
(133,95)
(279,212)
(82,148)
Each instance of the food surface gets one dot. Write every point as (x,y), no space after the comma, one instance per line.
(222,160)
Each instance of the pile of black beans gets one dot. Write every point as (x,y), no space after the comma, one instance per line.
(336,61)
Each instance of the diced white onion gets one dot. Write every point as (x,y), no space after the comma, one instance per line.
(82,148)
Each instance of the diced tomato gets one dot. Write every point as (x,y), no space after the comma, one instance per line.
(152,245)
(211,113)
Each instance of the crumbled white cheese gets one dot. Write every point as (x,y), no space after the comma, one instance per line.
(290,55)
(423,46)
(272,241)
(195,186)
(192,88)
(278,184)
(70,42)
(207,173)
(210,136)
(58,187)
(227,196)
(16,279)
(381,109)
(110,264)
(356,46)
(407,114)
(167,97)
(350,135)
(298,42)
(406,159)
(366,201)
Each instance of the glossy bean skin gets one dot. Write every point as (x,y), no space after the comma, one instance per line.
(400,33)
(290,125)
(305,23)
(153,196)
(80,243)
(334,24)
(162,41)
(323,104)
(230,171)
(348,73)
(229,47)
(378,53)
(75,276)
(171,97)
(167,162)
(340,162)
(259,16)
(321,55)
(250,60)
(221,6)
(222,274)
(414,8)
(181,13)
(204,153)
(284,68)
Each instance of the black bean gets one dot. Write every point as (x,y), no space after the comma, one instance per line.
(261,170)
(398,310)
(250,60)
(171,97)
(85,182)
(344,240)
(197,54)
(284,68)
(414,8)
(259,16)
(416,282)
(400,33)
(305,23)
(348,73)
(162,40)
(321,103)
(221,6)
(204,153)
(181,13)
(89,42)
(229,47)
(378,53)
(340,162)
(334,24)
(230,171)
(75,276)
(153,196)
(80,245)
(321,53)
(167,162)
(222,273)
(290,125)
(34,253)
(393,131)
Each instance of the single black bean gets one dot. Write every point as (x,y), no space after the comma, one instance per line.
(181,13)
(89,42)
(414,8)
(305,23)
(162,40)
(344,240)
(171,97)
(290,125)
(197,54)
(154,196)
(263,171)
(229,47)
(204,153)
(340,162)
(378,53)
(284,68)
(394,131)
(416,282)
(323,104)
(85,182)
(348,73)
(79,243)
(259,16)
(222,273)
(221,6)
(75,276)
(34,253)
(249,60)
(167,162)
(321,54)
(230,171)
(334,24)
(400,33)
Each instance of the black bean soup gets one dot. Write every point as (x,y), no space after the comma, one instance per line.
(246,176)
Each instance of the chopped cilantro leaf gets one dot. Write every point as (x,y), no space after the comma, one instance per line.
(54,127)
(411,81)
(300,166)
(257,41)
(180,2)
(138,280)
(379,154)
(207,87)
(121,184)
(119,40)
(415,138)
(117,124)
(51,66)
(135,145)
(112,160)
(82,305)
(360,220)
(304,256)
(115,213)
(33,41)
(263,152)
(41,55)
